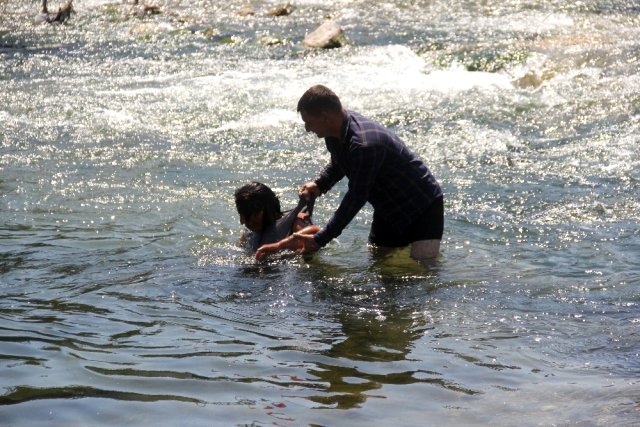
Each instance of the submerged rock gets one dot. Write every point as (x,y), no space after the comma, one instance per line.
(284,9)
(271,41)
(144,10)
(150,28)
(246,11)
(530,79)
(326,36)
(534,78)
(60,16)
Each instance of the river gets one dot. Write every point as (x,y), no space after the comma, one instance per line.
(125,299)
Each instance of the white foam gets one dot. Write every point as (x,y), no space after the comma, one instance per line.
(458,79)
(121,117)
(98,3)
(527,21)
(270,118)
(398,68)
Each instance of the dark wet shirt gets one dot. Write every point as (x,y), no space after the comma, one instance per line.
(382,170)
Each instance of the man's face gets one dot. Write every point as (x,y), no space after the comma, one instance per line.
(316,123)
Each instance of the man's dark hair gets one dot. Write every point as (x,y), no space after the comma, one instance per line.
(254,197)
(319,98)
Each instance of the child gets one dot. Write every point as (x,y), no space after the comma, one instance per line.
(270,229)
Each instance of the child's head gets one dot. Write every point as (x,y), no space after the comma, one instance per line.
(257,205)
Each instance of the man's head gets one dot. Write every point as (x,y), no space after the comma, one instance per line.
(257,206)
(321,111)
(319,99)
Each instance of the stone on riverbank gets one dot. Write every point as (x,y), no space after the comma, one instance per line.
(326,36)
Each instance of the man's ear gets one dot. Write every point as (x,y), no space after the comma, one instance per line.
(326,116)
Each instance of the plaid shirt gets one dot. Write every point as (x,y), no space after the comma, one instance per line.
(382,170)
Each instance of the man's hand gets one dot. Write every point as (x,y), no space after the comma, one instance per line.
(306,243)
(301,242)
(310,190)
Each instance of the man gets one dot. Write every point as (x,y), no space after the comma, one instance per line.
(382,170)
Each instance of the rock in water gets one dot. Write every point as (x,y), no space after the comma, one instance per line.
(60,16)
(246,11)
(284,9)
(326,36)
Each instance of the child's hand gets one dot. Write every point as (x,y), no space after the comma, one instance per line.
(263,251)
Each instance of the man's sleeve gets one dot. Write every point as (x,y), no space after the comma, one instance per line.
(365,165)
(328,177)
(348,208)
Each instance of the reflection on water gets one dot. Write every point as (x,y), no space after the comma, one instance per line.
(25,394)
(385,335)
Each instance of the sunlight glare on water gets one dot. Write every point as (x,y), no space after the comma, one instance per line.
(127,301)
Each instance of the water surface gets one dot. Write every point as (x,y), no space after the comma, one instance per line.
(126,301)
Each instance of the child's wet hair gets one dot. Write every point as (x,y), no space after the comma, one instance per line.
(254,197)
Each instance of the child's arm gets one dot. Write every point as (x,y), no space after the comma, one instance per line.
(288,243)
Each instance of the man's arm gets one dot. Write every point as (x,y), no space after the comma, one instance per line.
(365,163)
(349,206)
(332,173)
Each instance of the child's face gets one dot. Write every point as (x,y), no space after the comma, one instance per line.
(254,221)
